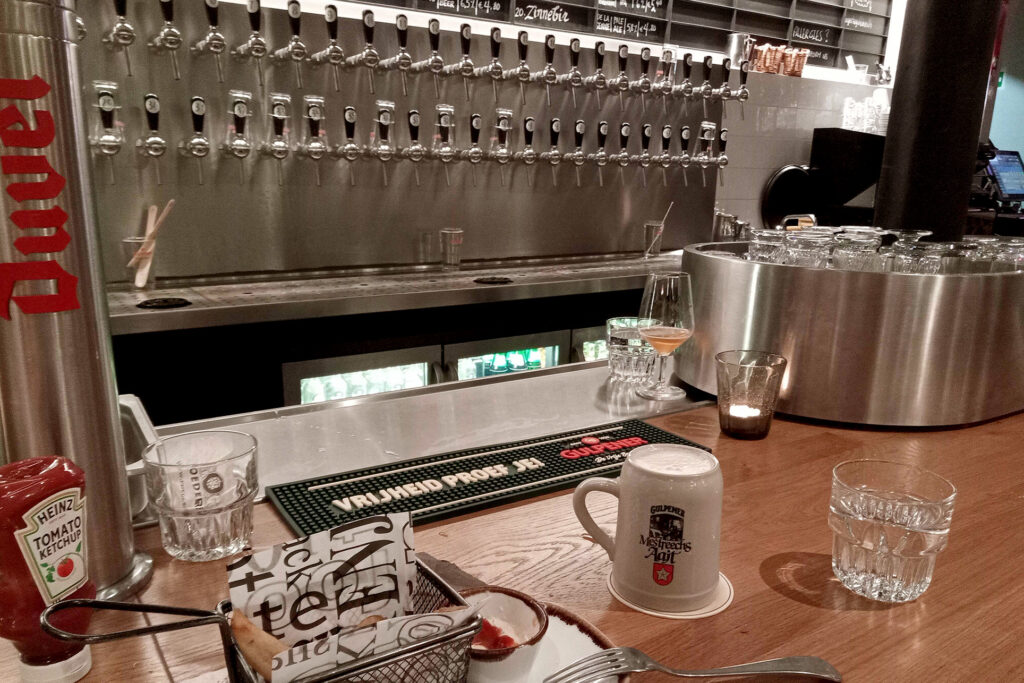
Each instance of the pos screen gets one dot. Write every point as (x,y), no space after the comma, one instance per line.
(1008,172)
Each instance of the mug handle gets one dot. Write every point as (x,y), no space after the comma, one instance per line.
(579,506)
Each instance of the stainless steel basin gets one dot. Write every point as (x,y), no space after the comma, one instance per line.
(138,433)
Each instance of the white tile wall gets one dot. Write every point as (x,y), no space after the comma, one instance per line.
(774,128)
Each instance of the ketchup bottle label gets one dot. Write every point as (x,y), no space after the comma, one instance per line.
(53,544)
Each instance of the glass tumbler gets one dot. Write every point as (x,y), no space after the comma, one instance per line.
(202,485)
(630,357)
(451,248)
(808,248)
(889,522)
(855,250)
(748,389)
(767,245)
(141,274)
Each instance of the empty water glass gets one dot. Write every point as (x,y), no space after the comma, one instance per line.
(855,250)
(630,357)
(767,246)
(889,522)
(808,248)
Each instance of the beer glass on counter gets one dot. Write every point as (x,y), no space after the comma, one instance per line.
(665,322)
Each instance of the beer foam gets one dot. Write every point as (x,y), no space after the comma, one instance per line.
(673,459)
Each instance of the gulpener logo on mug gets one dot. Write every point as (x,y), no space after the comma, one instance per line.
(665,541)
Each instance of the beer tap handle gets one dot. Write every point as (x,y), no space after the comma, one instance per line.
(599,55)
(602,134)
(687,66)
(549,49)
(443,126)
(623,57)
(465,38)
(167,10)
(645,61)
(414,126)
(277,119)
(212,12)
(528,131)
(255,20)
(151,103)
(314,116)
(624,134)
(295,17)
(666,138)
(368,24)
(744,72)
(556,127)
(581,128)
(495,42)
(645,136)
(726,68)
(384,125)
(240,112)
(475,122)
(684,138)
(120,7)
(723,137)
(198,108)
(434,34)
(350,123)
(707,68)
(503,134)
(574,53)
(106,107)
(523,44)
(402,31)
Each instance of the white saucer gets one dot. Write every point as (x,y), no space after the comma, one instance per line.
(720,599)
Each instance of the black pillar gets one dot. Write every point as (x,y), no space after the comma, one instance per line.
(937,103)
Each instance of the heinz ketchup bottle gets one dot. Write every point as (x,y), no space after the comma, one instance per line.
(42,561)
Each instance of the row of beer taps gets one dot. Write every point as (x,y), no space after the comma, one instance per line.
(255,49)
(314,145)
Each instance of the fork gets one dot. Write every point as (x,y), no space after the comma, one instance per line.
(620,660)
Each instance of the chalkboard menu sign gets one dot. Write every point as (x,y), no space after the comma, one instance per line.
(630,27)
(656,9)
(822,56)
(479,9)
(553,15)
(812,33)
(869,23)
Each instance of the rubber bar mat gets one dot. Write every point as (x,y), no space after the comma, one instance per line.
(440,486)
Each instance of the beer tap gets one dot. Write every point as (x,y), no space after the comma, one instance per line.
(573,79)
(316,146)
(332,55)
(622,157)
(197,145)
(703,157)
(620,84)
(598,81)
(553,156)
(685,88)
(548,76)
(723,91)
(109,137)
(434,64)
(152,145)
(367,57)
(464,67)
(644,158)
(527,155)
(381,146)
(415,152)
(168,38)
(474,154)
(500,151)
(683,159)
(295,51)
(722,160)
(642,86)
(444,144)
(741,95)
(577,157)
(238,144)
(600,157)
(350,151)
(663,84)
(255,46)
(122,34)
(520,73)
(705,89)
(279,147)
(664,159)
(80,31)
(493,70)
(402,61)
(214,41)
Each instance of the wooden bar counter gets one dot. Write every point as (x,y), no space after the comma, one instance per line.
(776,549)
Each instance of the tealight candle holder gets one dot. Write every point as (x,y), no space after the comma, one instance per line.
(748,388)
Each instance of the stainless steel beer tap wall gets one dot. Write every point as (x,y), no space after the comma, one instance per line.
(252,211)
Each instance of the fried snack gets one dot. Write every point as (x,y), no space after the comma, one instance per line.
(370,620)
(257,646)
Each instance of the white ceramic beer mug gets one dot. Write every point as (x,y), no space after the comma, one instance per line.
(665,550)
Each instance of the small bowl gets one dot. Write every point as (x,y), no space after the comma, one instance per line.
(527,622)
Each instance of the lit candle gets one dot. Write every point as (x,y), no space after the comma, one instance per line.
(740,410)
(744,421)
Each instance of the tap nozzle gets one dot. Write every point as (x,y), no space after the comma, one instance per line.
(331,55)
(474,154)
(168,38)
(520,73)
(548,76)
(238,144)
(295,50)
(642,86)
(705,90)
(683,159)
(197,145)
(255,46)
(350,151)
(381,147)
(724,92)
(152,145)
(643,159)
(664,158)
(500,151)
(620,84)
(598,81)
(278,146)
(434,64)
(527,155)
(742,94)
(577,157)
(721,159)
(122,34)
(415,152)
(464,67)
(663,84)
(553,156)
(600,158)
(573,79)
(402,60)
(368,56)
(214,41)
(684,88)
(493,70)
(444,146)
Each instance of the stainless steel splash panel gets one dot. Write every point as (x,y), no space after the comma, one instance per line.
(57,393)
(871,348)
(224,227)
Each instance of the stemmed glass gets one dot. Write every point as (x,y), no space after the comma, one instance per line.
(666,321)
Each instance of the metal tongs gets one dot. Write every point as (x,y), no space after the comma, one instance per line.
(200,617)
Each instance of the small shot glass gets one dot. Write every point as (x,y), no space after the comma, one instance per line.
(748,389)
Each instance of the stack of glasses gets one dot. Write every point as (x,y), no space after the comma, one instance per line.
(860,248)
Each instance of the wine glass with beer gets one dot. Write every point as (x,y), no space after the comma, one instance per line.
(666,321)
